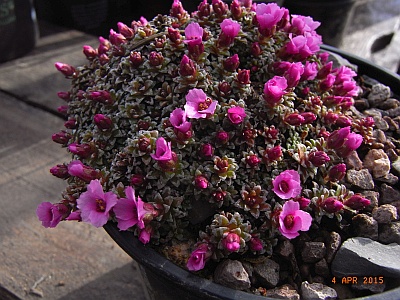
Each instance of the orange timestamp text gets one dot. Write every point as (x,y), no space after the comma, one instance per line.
(359,280)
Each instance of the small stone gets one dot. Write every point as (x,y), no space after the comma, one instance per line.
(316,291)
(389,103)
(393,112)
(267,273)
(365,226)
(231,273)
(313,252)
(393,125)
(322,268)
(333,242)
(396,166)
(381,124)
(364,257)
(379,93)
(389,179)
(361,104)
(374,288)
(361,179)
(385,213)
(390,233)
(388,194)
(353,161)
(283,292)
(343,291)
(285,249)
(379,136)
(392,154)
(377,162)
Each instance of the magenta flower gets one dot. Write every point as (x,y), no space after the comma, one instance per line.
(198,258)
(51,214)
(163,150)
(178,120)
(198,105)
(338,137)
(268,15)
(95,205)
(310,71)
(231,242)
(193,34)
(126,210)
(287,184)
(293,74)
(303,46)
(351,143)
(201,182)
(303,24)
(236,114)
(292,220)
(274,89)
(229,30)
(78,169)
(145,234)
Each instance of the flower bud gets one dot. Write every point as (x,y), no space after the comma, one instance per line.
(70,124)
(219,196)
(78,169)
(357,202)
(174,35)
(231,242)
(63,109)
(255,49)
(343,121)
(203,10)
(294,119)
(337,172)
(243,76)
(136,59)
(65,69)
(82,150)
(236,9)
(101,96)
(332,205)
(220,8)
(145,144)
(125,30)
(201,182)
(61,137)
(186,66)
(273,154)
(224,88)
(337,138)
(231,63)
(318,158)
(104,46)
(325,70)
(66,96)
(206,150)
(137,179)
(103,58)
(304,202)
(177,10)
(102,122)
(253,160)
(330,117)
(222,137)
(89,52)
(116,38)
(60,171)
(309,117)
(256,244)
(155,58)
(327,83)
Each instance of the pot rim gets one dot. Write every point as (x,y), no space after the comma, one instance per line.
(150,259)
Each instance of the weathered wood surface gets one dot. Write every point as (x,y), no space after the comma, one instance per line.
(75,260)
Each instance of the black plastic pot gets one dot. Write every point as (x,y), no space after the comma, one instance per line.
(167,281)
(334,16)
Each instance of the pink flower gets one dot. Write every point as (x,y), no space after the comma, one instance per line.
(51,214)
(303,46)
(95,205)
(352,142)
(310,71)
(178,120)
(293,74)
(229,30)
(198,105)
(274,89)
(198,258)
(201,182)
(78,169)
(163,150)
(292,219)
(303,24)
(193,34)
(145,234)
(236,114)
(287,184)
(126,209)
(338,137)
(268,15)
(231,242)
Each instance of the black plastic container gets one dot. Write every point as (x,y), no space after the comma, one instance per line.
(165,280)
